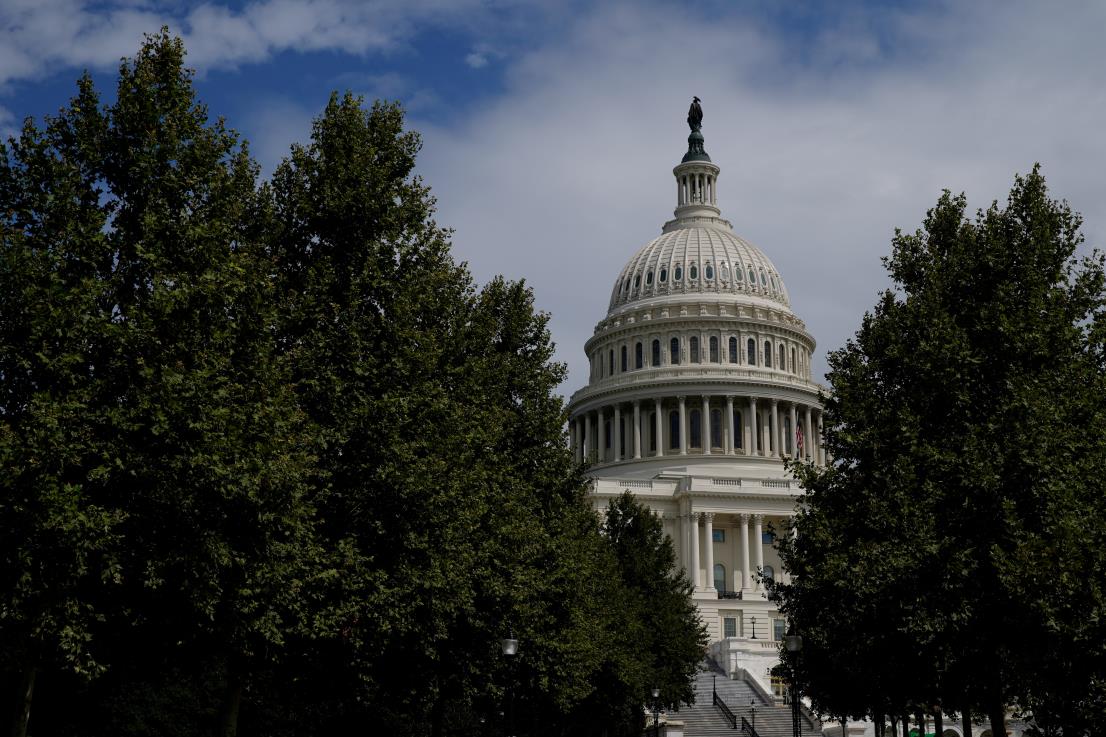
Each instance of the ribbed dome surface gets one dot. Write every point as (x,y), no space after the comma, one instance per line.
(698,260)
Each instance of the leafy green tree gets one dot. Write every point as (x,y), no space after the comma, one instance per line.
(958,524)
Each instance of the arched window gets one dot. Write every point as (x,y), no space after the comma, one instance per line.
(733,350)
(695,432)
(656,353)
(782,362)
(767,354)
(768,572)
(708,271)
(693,348)
(653,432)
(624,364)
(638,357)
(719,577)
(637,281)
(713,349)
(738,429)
(716,428)
(673,429)
(664,274)
(674,351)
(610,362)
(751,350)
(678,273)
(649,278)
(794,368)
(693,272)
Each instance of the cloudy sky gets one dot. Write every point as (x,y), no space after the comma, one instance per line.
(551,128)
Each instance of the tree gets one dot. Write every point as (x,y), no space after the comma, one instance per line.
(955,520)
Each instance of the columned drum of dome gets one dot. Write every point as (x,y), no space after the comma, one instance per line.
(700,387)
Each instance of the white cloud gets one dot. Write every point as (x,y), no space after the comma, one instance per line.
(476,60)
(562,179)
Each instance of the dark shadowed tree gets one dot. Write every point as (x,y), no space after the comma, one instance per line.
(957,529)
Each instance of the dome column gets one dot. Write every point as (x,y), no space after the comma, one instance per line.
(808,445)
(616,444)
(753,429)
(659,426)
(794,432)
(637,429)
(683,425)
(729,426)
(775,430)
(704,426)
(695,550)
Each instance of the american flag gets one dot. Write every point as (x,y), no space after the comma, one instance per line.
(799,437)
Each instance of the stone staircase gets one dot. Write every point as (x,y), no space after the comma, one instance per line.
(704,719)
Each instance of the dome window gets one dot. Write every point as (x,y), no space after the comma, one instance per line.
(649,278)
(693,272)
(737,273)
(724,270)
(664,275)
(763,278)
(637,281)
(774,287)
(752,277)
(678,273)
(708,271)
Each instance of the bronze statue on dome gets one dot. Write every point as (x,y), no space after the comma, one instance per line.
(695,115)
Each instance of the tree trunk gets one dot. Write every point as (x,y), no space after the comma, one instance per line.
(905,725)
(232,702)
(966,722)
(25,688)
(921,716)
(998,720)
(938,721)
(879,725)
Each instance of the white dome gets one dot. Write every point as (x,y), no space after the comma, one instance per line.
(700,260)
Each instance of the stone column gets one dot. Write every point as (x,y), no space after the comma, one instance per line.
(616,441)
(708,541)
(600,436)
(705,426)
(683,426)
(776,432)
(730,444)
(658,421)
(637,429)
(694,550)
(744,527)
(589,437)
(808,436)
(766,435)
(581,449)
(758,545)
(753,429)
(794,448)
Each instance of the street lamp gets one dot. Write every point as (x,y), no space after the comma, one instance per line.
(656,711)
(793,643)
(509,646)
(754,628)
(753,714)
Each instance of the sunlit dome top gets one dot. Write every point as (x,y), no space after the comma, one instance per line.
(698,253)
(698,260)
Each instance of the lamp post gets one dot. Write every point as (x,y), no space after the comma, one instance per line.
(754,628)
(510,649)
(793,643)
(753,714)
(656,711)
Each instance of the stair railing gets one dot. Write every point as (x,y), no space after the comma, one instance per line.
(747,729)
(726,712)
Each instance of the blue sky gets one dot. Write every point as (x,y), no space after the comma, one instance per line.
(551,128)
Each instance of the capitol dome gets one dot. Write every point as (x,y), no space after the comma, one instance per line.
(698,261)
(699,392)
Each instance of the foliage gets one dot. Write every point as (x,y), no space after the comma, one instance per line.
(950,553)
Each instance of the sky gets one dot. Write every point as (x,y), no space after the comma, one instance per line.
(551,127)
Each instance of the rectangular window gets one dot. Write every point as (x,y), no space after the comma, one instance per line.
(718,536)
(779,628)
(768,538)
(729,626)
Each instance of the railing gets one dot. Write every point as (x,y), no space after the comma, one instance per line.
(729,594)
(726,712)
(747,729)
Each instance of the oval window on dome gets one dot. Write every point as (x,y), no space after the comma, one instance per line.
(637,281)
(693,272)
(763,278)
(752,277)
(737,273)
(678,273)
(664,275)
(774,287)
(708,271)
(724,271)
(649,278)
